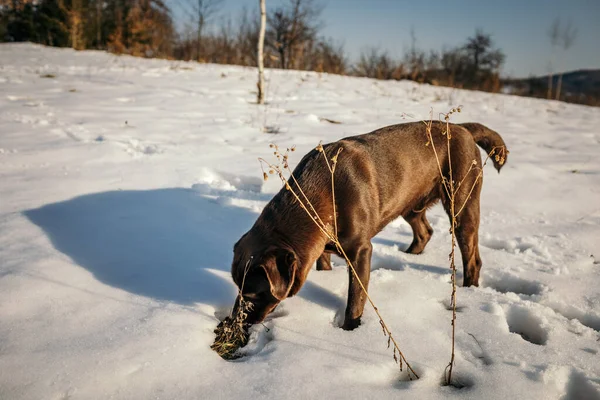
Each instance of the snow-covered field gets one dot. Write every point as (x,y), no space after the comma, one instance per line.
(124,184)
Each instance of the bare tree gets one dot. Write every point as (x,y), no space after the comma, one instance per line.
(561,35)
(484,61)
(150,28)
(477,46)
(554,35)
(260,99)
(415,58)
(327,56)
(202,11)
(74,11)
(248,26)
(292,28)
(376,63)
(567,38)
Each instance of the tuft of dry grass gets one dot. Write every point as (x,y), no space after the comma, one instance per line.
(232,333)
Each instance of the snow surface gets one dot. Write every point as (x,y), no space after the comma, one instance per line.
(124,184)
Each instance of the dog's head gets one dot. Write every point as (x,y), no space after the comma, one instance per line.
(264,276)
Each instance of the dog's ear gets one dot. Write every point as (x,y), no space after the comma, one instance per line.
(280,267)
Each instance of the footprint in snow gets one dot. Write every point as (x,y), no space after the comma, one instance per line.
(506,283)
(578,318)
(525,322)
(447,304)
(529,246)
(579,387)
(260,336)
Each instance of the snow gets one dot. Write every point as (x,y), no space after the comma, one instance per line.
(124,184)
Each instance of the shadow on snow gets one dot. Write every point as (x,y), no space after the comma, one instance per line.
(168,244)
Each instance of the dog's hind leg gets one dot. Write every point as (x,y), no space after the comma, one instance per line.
(324,262)
(467,234)
(422,231)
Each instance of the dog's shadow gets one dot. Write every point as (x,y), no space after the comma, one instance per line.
(389,262)
(168,244)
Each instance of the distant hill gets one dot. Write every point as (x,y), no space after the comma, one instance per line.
(581,86)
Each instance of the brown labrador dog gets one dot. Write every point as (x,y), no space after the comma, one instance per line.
(380,176)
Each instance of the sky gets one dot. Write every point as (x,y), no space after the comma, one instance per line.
(519,28)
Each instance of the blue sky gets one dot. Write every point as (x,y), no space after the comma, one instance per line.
(519,28)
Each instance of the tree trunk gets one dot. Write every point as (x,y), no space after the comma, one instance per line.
(98,24)
(558,86)
(261,62)
(200,27)
(282,59)
(550,80)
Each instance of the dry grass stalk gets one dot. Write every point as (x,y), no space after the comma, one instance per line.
(232,332)
(451,189)
(280,169)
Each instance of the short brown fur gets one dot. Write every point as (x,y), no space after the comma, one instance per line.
(380,176)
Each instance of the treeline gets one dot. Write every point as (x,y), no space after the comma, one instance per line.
(293,41)
(474,65)
(138,27)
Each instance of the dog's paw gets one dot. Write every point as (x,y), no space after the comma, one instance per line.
(324,267)
(351,324)
(468,281)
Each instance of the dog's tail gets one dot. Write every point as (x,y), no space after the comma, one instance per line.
(490,141)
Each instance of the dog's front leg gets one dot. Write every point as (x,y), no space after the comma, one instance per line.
(360,256)
(324,262)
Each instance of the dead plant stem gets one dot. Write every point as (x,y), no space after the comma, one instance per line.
(331,236)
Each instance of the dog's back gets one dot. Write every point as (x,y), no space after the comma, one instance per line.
(394,171)
(397,166)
